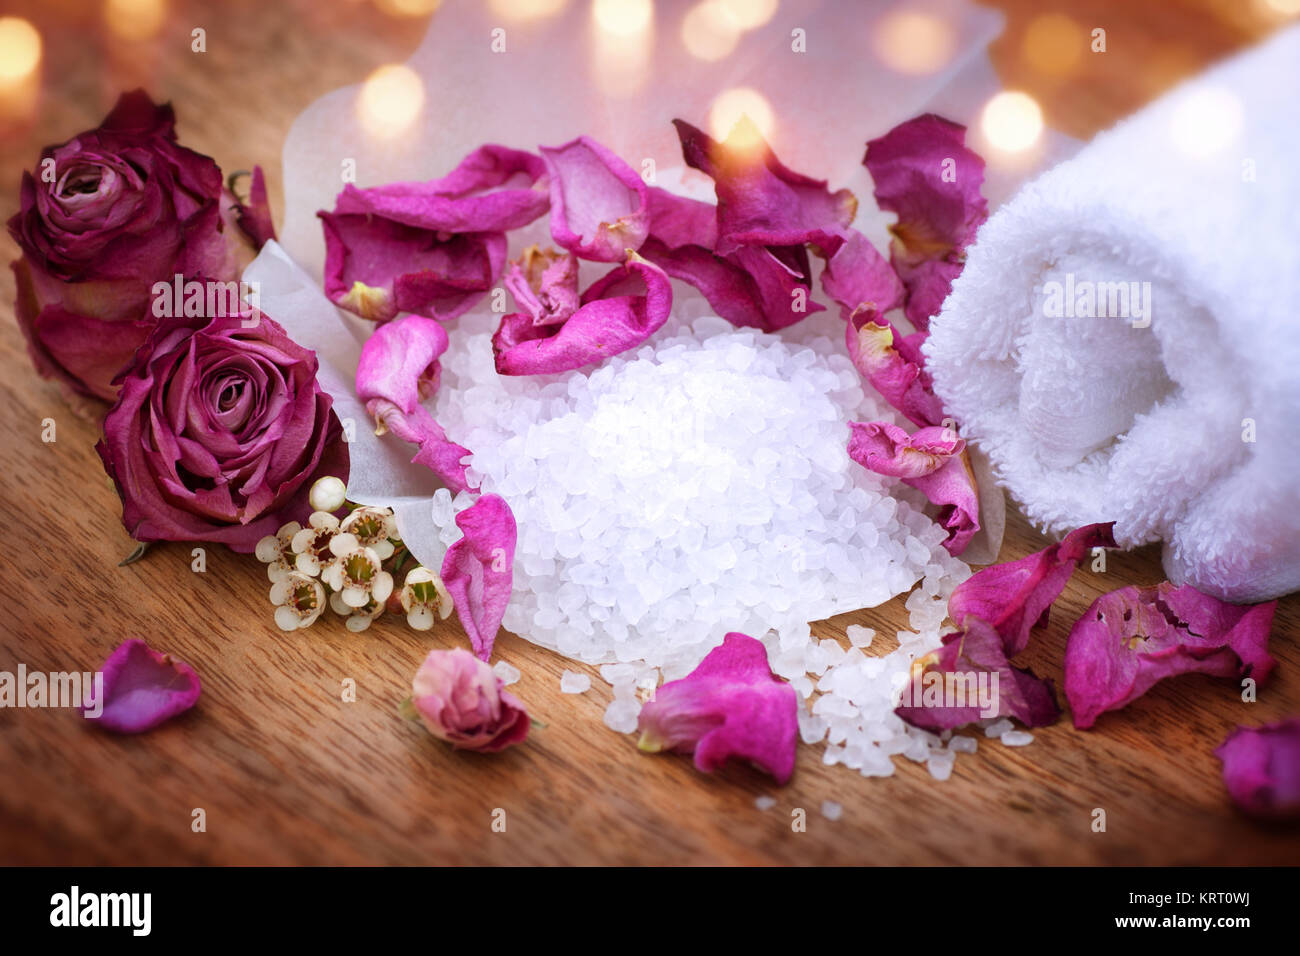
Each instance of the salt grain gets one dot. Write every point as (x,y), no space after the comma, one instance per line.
(1017,738)
(572,682)
(765,802)
(508,673)
(832,810)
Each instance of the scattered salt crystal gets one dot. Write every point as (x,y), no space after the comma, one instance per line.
(858,635)
(832,810)
(998,727)
(621,715)
(765,802)
(508,673)
(1017,738)
(941,766)
(963,745)
(572,682)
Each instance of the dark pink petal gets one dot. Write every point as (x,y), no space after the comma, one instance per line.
(969,678)
(479,568)
(731,705)
(435,451)
(143,688)
(598,202)
(761,201)
(1261,769)
(254,217)
(544,284)
(1015,596)
(924,172)
(135,112)
(618,312)
(932,461)
(677,221)
(894,367)
(1135,637)
(859,279)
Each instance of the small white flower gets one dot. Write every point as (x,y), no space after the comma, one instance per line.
(327,494)
(311,545)
(373,527)
(358,618)
(276,551)
(423,593)
(299,600)
(356,572)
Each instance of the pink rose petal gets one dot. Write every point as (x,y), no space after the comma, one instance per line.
(1261,769)
(618,312)
(460,700)
(598,202)
(1015,596)
(479,568)
(859,279)
(731,705)
(1131,639)
(545,285)
(894,367)
(142,689)
(254,217)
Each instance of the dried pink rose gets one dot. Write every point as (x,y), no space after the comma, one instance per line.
(398,368)
(894,367)
(924,172)
(731,705)
(545,285)
(460,700)
(142,688)
(969,678)
(617,312)
(1015,596)
(1130,639)
(1261,769)
(933,461)
(430,248)
(598,202)
(479,568)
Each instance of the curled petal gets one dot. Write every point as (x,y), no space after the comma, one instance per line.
(1015,596)
(598,202)
(1134,637)
(254,217)
(969,678)
(436,451)
(479,568)
(894,367)
(859,279)
(924,172)
(398,361)
(1261,769)
(545,285)
(141,689)
(618,312)
(731,705)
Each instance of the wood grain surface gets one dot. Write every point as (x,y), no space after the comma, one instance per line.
(288,773)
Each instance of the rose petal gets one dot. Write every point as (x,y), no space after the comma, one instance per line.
(398,359)
(1130,639)
(479,568)
(731,705)
(924,172)
(142,688)
(254,217)
(859,279)
(544,284)
(969,678)
(1015,596)
(598,202)
(618,312)
(894,367)
(463,702)
(1261,769)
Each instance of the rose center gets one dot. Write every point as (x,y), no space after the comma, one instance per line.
(81,182)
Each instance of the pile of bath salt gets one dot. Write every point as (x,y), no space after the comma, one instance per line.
(697,486)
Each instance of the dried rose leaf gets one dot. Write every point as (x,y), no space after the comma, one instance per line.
(142,689)
(598,202)
(731,705)
(479,568)
(1131,639)
(1261,769)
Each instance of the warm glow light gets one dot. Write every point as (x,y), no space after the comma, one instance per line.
(1285,8)
(708,32)
(20,49)
(408,8)
(1012,121)
(622,17)
(390,100)
(748,14)
(135,19)
(1206,122)
(914,43)
(1054,44)
(730,106)
(527,9)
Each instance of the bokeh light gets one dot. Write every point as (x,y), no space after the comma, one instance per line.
(408,8)
(1281,8)
(390,100)
(1205,122)
(1054,44)
(623,17)
(524,10)
(135,19)
(20,49)
(1012,121)
(731,105)
(708,33)
(748,14)
(914,43)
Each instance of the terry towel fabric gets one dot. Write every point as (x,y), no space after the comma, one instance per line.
(1124,342)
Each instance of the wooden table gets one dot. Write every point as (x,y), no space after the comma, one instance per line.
(287,772)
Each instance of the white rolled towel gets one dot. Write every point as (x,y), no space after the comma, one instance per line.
(1171,404)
